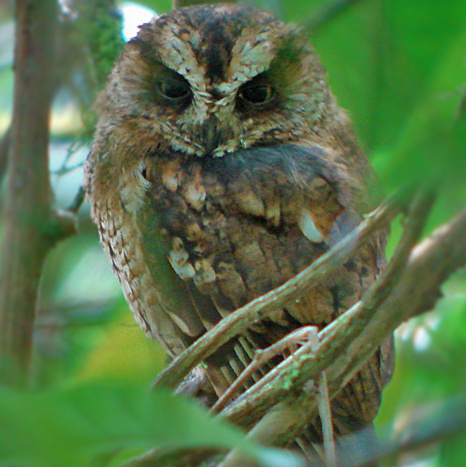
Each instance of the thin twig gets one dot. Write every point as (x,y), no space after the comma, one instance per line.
(257,309)
(78,201)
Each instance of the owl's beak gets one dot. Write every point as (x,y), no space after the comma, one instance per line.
(210,135)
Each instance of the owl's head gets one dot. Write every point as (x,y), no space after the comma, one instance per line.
(210,79)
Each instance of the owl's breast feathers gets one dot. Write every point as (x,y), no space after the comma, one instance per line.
(237,226)
(193,239)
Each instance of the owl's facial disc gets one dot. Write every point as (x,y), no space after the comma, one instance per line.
(221,117)
(217,78)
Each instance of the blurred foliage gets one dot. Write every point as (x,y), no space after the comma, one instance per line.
(90,424)
(89,41)
(400,70)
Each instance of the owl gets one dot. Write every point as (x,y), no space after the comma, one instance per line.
(222,166)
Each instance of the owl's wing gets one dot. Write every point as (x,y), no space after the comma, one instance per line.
(235,227)
(158,297)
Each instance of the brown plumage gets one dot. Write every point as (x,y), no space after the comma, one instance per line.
(222,166)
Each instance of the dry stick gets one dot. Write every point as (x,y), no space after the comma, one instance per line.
(31,225)
(325,414)
(430,264)
(254,311)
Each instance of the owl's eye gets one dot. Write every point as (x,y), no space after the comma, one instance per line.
(256,94)
(174,91)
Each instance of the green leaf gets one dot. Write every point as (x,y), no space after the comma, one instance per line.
(74,426)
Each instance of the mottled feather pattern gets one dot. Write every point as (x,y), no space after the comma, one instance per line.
(206,199)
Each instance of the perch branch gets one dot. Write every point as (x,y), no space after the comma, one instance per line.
(257,309)
(379,291)
(417,290)
(409,286)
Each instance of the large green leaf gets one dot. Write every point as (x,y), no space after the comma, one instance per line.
(78,425)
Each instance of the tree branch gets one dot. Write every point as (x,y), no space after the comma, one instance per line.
(429,265)
(258,309)
(409,286)
(281,420)
(31,225)
(425,429)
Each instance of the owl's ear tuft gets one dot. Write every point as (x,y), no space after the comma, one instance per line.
(142,45)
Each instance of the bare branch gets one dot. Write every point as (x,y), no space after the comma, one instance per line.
(257,309)
(78,201)
(349,341)
(410,285)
